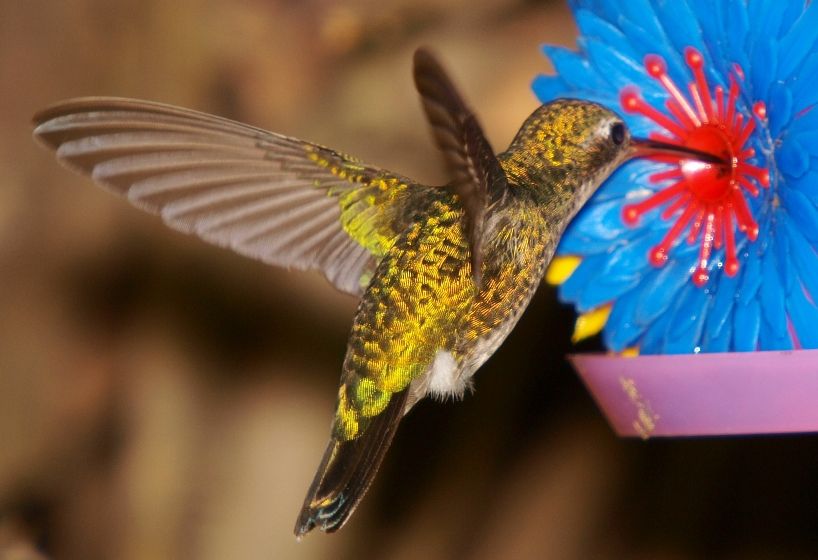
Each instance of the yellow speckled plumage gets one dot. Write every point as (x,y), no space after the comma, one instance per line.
(421,298)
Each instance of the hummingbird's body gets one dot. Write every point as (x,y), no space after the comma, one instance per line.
(424,326)
(443,273)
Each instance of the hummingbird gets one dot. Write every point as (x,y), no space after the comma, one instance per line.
(443,273)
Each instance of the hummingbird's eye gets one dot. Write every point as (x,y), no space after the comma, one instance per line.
(617,133)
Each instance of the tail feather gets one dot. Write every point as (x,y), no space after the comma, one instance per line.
(346,471)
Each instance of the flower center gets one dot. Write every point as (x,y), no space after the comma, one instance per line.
(709,199)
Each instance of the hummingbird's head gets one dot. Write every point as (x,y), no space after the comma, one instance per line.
(571,146)
(567,144)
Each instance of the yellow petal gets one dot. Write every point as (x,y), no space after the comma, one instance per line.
(631,352)
(590,323)
(561,269)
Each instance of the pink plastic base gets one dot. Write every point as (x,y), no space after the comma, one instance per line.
(705,394)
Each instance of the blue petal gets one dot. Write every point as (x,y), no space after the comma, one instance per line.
(792,158)
(585,273)
(751,279)
(804,258)
(640,23)
(629,260)
(771,295)
(767,18)
(623,270)
(782,251)
(779,109)
(804,83)
(597,228)
(717,342)
(768,340)
(795,9)
(804,316)
(643,41)
(604,9)
(722,304)
(548,88)
(620,331)
(808,141)
(643,14)
(805,121)
(603,290)
(710,15)
(658,291)
(618,69)
(680,25)
(592,25)
(746,325)
(764,60)
(685,330)
(800,40)
(573,68)
(641,126)
(803,213)
(654,339)
(808,184)
(736,27)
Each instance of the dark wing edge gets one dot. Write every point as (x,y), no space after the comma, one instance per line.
(477,178)
(267,196)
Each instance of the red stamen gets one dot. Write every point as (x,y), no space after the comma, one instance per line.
(696,62)
(719,103)
(631,212)
(680,202)
(632,103)
(736,125)
(675,110)
(731,101)
(658,256)
(746,223)
(701,276)
(719,240)
(662,137)
(760,174)
(730,260)
(697,101)
(674,173)
(738,70)
(655,65)
(696,227)
(751,188)
(745,132)
(711,196)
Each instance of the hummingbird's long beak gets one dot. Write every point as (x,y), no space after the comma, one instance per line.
(644,147)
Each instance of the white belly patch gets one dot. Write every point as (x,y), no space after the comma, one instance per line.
(444,378)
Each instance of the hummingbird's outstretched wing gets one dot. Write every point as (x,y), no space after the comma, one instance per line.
(277,199)
(477,177)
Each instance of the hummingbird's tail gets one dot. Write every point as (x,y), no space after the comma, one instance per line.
(347,470)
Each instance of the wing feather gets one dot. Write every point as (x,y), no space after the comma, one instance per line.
(267,196)
(477,178)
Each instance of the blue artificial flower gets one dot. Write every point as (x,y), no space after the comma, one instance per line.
(673,257)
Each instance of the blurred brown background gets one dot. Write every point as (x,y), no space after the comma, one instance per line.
(161,398)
